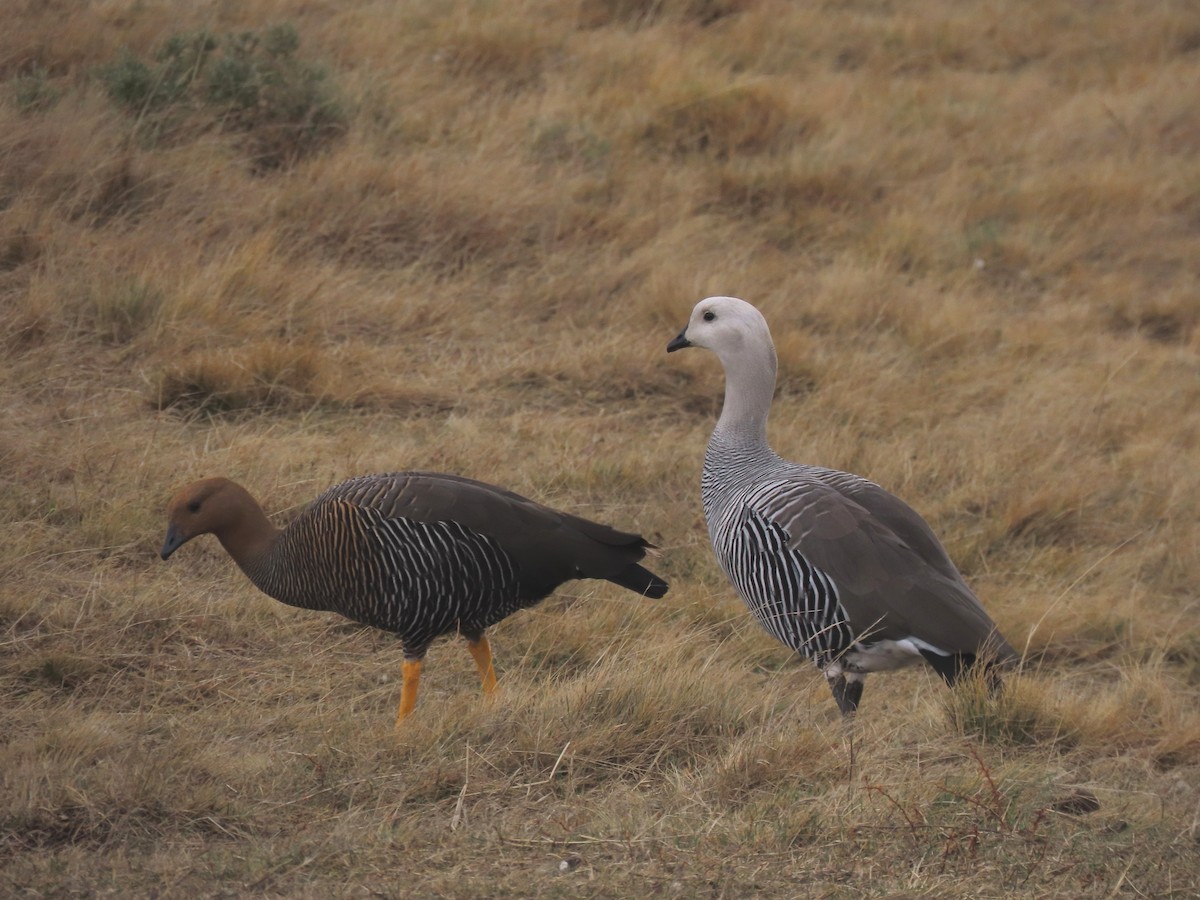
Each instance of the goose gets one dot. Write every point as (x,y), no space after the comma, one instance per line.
(420,554)
(829,563)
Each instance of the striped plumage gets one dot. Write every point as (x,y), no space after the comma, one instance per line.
(415,553)
(829,563)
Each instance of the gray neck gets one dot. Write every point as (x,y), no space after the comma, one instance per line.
(749,389)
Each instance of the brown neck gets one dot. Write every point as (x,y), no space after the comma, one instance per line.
(250,536)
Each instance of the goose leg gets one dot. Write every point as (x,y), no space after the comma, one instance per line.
(411,670)
(481,650)
(846,691)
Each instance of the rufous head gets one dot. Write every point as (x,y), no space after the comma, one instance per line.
(208,506)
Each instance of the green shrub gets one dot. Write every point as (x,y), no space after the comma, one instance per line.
(250,83)
(140,87)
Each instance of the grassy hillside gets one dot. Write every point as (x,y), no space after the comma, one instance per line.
(297,240)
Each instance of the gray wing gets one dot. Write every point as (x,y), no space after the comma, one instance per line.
(904,521)
(892,576)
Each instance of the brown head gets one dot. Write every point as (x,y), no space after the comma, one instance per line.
(221,507)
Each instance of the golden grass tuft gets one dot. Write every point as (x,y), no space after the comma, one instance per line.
(494,51)
(643,13)
(258,377)
(722,120)
(974,234)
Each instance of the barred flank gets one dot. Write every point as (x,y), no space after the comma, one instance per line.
(418,579)
(389,551)
(791,598)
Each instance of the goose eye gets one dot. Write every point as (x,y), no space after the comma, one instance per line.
(194,506)
(709,315)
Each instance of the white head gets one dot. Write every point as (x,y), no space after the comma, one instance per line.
(727,326)
(738,334)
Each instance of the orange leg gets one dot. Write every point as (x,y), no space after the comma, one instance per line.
(408,690)
(482,651)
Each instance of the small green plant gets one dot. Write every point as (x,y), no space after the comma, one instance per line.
(259,87)
(142,88)
(34,91)
(250,82)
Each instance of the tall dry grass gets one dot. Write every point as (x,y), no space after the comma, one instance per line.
(974,230)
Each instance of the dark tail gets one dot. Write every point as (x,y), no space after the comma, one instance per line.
(951,667)
(640,581)
(955,666)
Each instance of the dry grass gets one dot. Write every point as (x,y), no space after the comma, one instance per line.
(975,230)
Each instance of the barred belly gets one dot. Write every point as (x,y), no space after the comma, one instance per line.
(793,600)
(417,579)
